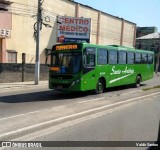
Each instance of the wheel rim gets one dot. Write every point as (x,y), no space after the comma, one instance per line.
(138,82)
(100,87)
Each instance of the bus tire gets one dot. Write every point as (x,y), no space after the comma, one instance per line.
(99,87)
(138,82)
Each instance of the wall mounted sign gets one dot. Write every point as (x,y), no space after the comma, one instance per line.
(72,29)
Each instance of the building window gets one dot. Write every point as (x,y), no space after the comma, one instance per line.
(11,56)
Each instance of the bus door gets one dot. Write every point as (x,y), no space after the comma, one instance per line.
(89,63)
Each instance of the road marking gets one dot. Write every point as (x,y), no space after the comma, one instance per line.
(31,112)
(125,101)
(91,100)
(45,109)
(50,122)
(131,92)
(58,127)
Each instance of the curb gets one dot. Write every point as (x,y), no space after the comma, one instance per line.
(7,86)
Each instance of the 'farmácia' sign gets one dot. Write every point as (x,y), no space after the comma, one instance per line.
(71,29)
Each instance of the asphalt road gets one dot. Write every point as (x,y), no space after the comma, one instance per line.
(118,119)
(24,100)
(138,122)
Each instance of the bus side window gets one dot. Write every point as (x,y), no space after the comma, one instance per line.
(102,57)
(130,58)
(150,59)
(122,57)
(89,57)
(113,57)
(144,58)
(138,58)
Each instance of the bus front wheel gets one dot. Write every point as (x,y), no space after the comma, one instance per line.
(100,87)
(138,82)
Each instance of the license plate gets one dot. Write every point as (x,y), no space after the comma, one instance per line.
(59,87)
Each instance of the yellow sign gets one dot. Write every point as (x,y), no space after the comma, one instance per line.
(66,47)
(55,68)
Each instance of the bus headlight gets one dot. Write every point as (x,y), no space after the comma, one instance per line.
(77,80)
(73,83)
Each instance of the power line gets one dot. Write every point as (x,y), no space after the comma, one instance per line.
(50,14)
(23,4)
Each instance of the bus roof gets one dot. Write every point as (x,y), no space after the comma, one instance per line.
(118,47)
(114,47)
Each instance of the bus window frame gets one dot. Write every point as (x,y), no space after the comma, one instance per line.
(133,58)
(152,58)
(144,62)
(104,49)
(86,53)
(119,57)
(140,58)
(109,57)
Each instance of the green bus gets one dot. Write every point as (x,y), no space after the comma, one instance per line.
(84,66)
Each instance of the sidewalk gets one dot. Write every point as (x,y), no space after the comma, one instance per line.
(21,84)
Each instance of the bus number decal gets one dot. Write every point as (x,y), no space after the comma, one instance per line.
(102,73)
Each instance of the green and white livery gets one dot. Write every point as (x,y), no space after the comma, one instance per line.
(84,66)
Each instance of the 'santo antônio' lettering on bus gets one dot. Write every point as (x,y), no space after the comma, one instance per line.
(125,71)
(128,71)
(66,47)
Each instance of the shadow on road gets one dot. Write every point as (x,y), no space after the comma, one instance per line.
(42,96)
(52,95)
(123,87)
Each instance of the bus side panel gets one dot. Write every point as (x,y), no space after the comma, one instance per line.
(102,72)
(88,81)
(145,70)
(150,71)
(126,75)
(112,74)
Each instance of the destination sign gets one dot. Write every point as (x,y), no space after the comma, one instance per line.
(67,47)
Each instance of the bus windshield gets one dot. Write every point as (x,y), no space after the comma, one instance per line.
(67,62)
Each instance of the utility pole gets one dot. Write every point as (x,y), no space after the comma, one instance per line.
(37,63)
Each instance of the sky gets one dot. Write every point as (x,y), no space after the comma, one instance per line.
(144,13)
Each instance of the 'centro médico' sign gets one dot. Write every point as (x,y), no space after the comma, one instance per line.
(5,33)
(73,29)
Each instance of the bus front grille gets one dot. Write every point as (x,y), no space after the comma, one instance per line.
(60,86)
(61,76)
